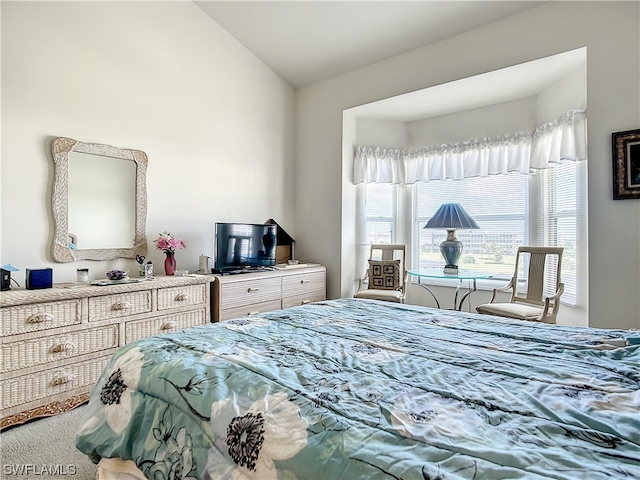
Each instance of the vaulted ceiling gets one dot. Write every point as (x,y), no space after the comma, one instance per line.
(310,41)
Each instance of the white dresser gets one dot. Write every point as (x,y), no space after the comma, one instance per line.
(250,293)
(57,341)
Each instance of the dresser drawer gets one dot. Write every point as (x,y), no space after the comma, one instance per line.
(37,386)
(52,348)
(40,316)
(251,291)
(119,305)
(182,296)
(243,310)
(137,329)
(303,299)
(293,285)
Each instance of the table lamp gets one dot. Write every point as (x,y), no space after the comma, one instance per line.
(451,216)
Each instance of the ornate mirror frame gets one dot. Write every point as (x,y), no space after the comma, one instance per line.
(60,149)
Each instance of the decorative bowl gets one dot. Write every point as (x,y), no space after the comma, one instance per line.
(117,275)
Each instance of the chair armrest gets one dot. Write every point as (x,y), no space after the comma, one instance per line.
(558,294)
(361,282)
(403,287)
(509,286)
(547,303)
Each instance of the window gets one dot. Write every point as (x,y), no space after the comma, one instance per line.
(377,219)
(381,213)
(560,220)
(544,208)
(497,203)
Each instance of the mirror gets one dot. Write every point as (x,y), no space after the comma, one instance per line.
(99,201)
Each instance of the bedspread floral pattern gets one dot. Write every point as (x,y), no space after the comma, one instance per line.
(360,389)
(114,393)
(174,453)
(249,440)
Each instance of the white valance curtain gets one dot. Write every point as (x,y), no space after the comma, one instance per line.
(564,139)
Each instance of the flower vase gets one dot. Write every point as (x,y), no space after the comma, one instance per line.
(170,264)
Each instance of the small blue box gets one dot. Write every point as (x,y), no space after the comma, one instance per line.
(41,278)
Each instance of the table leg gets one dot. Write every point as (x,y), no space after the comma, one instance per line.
(455,297)
(458,306)
(429,290)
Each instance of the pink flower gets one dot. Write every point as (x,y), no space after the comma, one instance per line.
(168,243)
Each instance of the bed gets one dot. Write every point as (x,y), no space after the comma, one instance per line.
(361,389)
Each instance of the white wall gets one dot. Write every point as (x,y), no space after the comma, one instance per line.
(381,133)
(568,93)
(161,77)
(490,121)
(609,30)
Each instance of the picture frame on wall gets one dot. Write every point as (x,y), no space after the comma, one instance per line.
(626,164)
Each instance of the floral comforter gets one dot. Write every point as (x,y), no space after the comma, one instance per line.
(358,389)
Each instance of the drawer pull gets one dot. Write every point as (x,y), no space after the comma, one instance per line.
(63,347)
(121,306)
(304,302)
(40,318)
(63,379)
(304,281)
(182,297)
(168,326)
(253,289)
(254,313)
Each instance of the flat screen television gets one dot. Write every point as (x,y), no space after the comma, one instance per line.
(244,246)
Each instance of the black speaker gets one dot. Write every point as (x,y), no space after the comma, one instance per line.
(6,280)
(42,278)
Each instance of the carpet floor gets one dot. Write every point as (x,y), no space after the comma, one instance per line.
(45,449)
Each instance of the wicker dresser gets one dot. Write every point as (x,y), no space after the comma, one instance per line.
(56,342)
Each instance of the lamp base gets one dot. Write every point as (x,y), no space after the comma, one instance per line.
(451,249)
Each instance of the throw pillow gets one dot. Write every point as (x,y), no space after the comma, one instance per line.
(384,274)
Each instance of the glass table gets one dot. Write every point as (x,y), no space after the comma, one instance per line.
(469,275)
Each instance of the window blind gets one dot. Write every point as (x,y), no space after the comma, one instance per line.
(377,213)
(561,217)
(498,204)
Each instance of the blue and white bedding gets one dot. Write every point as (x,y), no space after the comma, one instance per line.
(359,389)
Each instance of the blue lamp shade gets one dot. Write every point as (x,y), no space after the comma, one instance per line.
(451,216)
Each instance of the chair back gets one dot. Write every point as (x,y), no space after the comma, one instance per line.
(542,266)
(391,251)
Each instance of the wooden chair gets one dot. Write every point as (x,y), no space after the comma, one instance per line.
(541,299)
(386,276)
